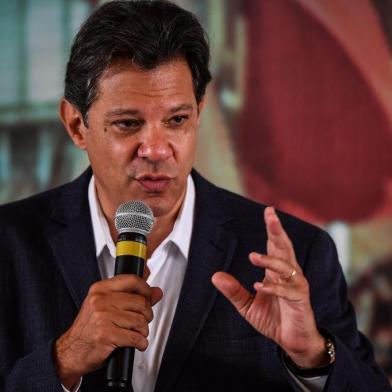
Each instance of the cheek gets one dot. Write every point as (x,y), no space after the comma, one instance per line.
(108,147)
(188,138)
(186,152)
(192,143)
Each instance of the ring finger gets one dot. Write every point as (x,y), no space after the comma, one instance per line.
(280,267)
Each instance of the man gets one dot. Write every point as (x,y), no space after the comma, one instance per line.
(134,92)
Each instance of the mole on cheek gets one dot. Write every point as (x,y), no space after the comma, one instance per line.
(105,129)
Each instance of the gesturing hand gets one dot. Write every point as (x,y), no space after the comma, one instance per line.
(115,313)
(280,309)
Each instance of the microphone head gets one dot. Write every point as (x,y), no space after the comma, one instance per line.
(134,216)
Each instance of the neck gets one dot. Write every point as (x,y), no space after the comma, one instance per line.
(162,228)
(163,225)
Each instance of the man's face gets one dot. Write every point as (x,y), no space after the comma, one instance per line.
(141,135)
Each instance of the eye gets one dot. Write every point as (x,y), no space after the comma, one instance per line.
(177,120)
(128,124)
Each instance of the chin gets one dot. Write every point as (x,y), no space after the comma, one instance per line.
(159,207)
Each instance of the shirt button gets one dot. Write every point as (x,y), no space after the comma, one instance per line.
(141,366)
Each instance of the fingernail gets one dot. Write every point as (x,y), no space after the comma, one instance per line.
(258,285)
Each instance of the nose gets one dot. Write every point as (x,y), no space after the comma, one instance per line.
(155,145)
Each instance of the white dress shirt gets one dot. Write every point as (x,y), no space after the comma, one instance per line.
(167,266)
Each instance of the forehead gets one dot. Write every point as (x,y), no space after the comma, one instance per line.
(171,80)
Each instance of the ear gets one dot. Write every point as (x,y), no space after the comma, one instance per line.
(73,123)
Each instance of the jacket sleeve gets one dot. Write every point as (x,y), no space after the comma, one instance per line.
(26,361)
(355,368)
(32,373)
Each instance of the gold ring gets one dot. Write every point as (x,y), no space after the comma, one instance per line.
(293,272)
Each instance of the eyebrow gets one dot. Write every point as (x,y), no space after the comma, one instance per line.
(135,112)
(185,106)
(121,112)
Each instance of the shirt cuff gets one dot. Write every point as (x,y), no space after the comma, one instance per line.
(314,384)
(307,384)
(75,388)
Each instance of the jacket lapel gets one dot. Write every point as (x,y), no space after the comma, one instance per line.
(71,238)
(212,249)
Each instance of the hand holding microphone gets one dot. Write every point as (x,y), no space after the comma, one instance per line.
(133,221)
(115,313)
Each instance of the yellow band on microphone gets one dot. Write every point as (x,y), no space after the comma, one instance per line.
(131,248)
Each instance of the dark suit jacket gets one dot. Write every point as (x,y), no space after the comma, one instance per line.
(47,263)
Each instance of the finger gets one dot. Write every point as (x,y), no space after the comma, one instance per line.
(127,302)
(275,229)
(271,217)
(122,283)
(120,337)
(130,320)
(274,264)
(135,302)
(233,291)
(277,236)
(283,290)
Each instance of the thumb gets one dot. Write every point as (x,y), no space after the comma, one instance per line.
(146,272)
(156,295)
(233,291)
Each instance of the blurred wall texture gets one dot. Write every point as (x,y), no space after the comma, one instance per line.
(299,115)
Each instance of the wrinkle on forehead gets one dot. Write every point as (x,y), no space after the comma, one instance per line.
(127,87)
(158,79)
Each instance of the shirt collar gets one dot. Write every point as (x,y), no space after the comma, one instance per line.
(180,235)
(182,230)
(101,230)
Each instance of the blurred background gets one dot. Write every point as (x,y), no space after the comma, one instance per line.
(299,116)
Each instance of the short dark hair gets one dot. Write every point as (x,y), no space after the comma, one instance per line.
(147,33)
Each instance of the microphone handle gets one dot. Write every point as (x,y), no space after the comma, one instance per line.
(130,258)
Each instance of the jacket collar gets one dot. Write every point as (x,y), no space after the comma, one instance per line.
(212,249)
(71,238)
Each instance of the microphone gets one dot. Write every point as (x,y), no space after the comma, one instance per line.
(133,220)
